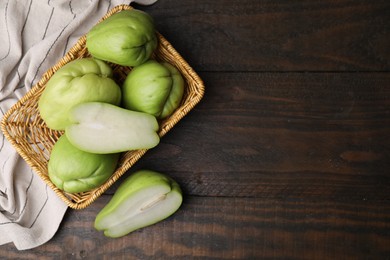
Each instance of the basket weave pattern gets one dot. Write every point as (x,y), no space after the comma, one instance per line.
(27,132)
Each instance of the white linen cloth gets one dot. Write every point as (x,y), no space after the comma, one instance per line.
(34,35)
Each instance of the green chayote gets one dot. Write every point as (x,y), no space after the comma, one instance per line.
(74,170)
(79,81)
(103,128)
(127,38)
(154,88)
(143,199)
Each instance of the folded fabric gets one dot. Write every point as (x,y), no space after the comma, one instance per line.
(34,35)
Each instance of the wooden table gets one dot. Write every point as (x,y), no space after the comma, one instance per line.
(288,154)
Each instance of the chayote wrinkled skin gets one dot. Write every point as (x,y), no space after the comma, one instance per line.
(79,81)
(154,88)
(127,38)
(74,170)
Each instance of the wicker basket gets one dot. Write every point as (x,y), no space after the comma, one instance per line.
(33,140)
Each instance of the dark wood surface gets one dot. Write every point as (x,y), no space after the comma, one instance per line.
(288,154)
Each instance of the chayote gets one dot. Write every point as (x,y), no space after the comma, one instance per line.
(103,128)
(127,38)
(73,170)
(154,88)
(79,81)
(142,199)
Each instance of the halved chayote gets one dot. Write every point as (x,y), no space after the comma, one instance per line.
(102,128)
(142,199)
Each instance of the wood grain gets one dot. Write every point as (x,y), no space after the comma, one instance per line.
(273,135)
(231,228)
(265,35)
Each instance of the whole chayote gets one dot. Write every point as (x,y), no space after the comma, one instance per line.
(154,88)
(74,170)
(79,81)
(127,38)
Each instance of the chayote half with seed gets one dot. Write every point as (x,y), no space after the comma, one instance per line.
(143,199)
